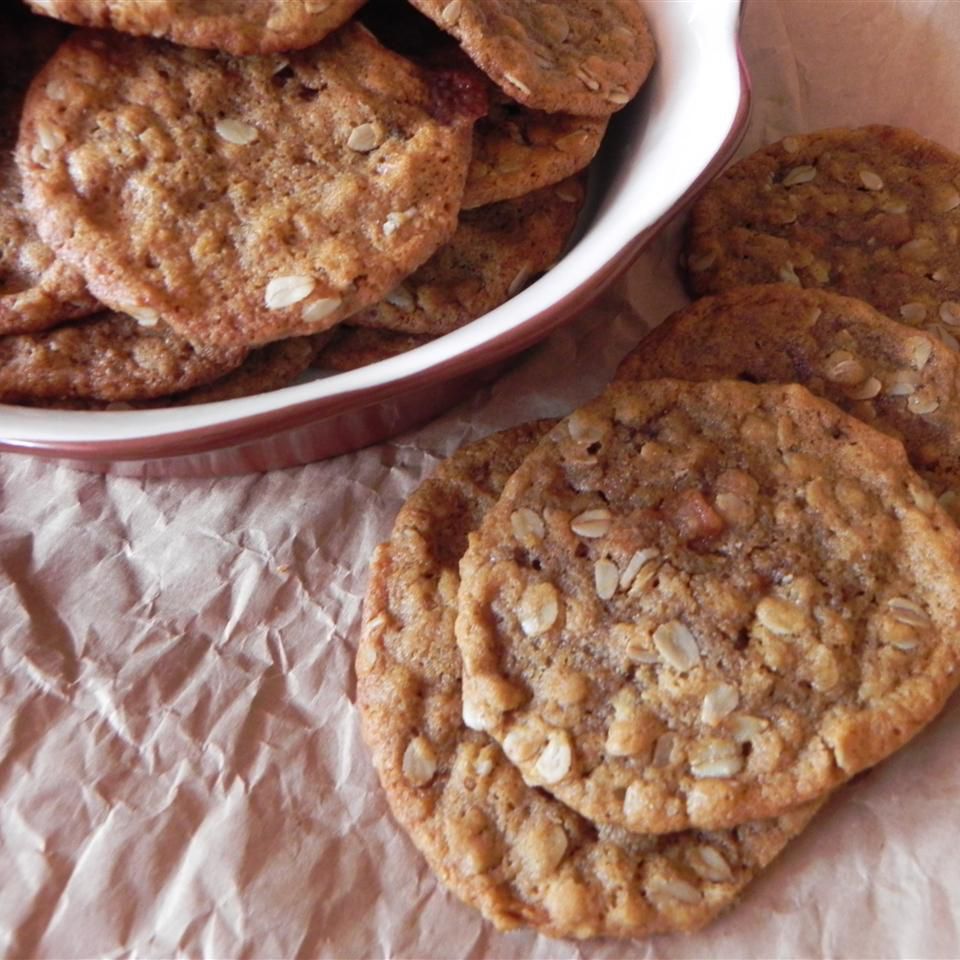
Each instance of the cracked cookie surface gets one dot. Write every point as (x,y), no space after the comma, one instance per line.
(587,57)
(496,251)
(872,212)
(902,381)
(243,200)
(240,27)
(506,848)
(697,604)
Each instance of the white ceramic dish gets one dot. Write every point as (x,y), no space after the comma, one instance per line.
(659,151)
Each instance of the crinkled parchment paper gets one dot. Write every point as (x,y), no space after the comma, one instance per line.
(181,772)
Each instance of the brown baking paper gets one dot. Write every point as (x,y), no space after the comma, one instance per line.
(181,771)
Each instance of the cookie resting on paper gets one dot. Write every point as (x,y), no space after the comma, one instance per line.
(697,604)
(506,848)
(900,380)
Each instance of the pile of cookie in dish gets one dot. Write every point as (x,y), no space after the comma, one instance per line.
(203,200)
(611,665)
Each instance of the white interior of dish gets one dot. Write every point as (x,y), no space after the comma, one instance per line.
(657,147)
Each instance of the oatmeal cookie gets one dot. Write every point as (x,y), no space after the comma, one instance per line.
(36,290)
(872,213)
(243,200)
(240,27)
(517,150)
(108,357)
(506,848)
(496,251)
(278,364)
(272,367)
(900,380)
(697,604)
(353,347)
(588,57)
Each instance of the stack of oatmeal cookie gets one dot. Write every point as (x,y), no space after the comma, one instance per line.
(204,200)
(609,666)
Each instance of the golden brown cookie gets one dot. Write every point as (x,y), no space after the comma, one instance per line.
(240,27)
(107,357)
(872,213)
(279,364)
(506,848)
(353,347)
(587,57)
(517,150)
(901,381)
(243,200)
(36,290)
(496,251)
(697,604)
(272,367)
